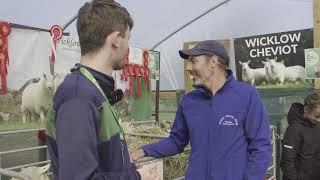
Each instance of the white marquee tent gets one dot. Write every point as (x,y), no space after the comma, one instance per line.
(155,20)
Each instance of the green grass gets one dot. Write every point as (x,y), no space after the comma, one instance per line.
(15,119)
(14,110)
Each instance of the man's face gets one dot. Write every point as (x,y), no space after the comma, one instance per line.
(313,114)
(200,70)
(122,51)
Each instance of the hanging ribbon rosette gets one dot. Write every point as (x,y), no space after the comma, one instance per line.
(5,30)
(136,70)
(146,74)
(56,34)
(3,71)
(142,72)
(131,74)
(137,74)
(125,70)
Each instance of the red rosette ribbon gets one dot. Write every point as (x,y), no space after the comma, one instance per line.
(56,34)
(146,68)
(5,30)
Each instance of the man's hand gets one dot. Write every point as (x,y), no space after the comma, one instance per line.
(137,154)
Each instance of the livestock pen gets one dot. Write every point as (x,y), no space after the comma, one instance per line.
(8,172)
(277,102)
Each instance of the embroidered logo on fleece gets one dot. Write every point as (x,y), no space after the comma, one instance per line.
(228,120)
(287,146)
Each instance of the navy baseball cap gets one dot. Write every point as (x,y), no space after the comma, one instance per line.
(209,48)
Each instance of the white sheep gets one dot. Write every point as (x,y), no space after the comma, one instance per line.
(36,98)
(252,76)
(277,70)
(294,74)
(267,68)
(36,173)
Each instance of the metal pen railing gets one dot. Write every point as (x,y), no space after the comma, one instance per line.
(10,173)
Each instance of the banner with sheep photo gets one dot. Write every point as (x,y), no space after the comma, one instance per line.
(30,81)
(274,60)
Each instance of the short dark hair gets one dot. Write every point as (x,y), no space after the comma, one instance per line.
(97,20)
(312,101)
(222,63)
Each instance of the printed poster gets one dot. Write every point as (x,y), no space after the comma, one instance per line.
(273,60)
(312,62)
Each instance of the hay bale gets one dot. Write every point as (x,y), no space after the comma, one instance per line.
(173,166)
(127,127)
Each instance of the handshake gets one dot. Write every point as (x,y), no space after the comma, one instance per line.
(147,172)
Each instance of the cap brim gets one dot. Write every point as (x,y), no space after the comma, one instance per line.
(186,53)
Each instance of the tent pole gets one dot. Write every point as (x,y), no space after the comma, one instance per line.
(73,18)
(19,26)
(157,110)
(186,24)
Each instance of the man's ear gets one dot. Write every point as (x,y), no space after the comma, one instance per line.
(114,39)
(214,60)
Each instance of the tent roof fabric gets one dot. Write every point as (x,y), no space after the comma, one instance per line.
(155,19)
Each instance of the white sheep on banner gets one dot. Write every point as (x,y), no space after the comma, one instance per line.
(277,70)
(36,98)
(252,76)
(267,68)
(295,74)
(36,173)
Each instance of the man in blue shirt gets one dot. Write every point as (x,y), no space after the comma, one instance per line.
(223,119)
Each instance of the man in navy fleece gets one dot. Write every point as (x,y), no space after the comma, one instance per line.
(223,119)
(84,137)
